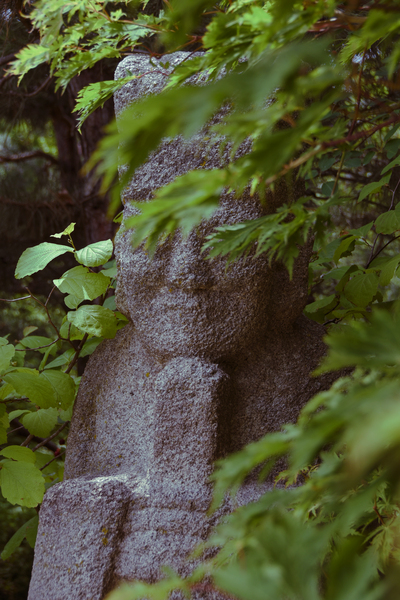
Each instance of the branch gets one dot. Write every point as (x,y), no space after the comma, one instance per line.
(48,439)
(24,432)
(28,156)
(50,461)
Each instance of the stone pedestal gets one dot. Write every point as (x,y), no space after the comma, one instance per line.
(211,360)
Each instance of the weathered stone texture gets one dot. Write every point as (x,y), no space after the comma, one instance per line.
(211,360)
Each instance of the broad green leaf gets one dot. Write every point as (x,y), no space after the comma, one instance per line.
(37,341)
(63,387)
(344,248)
(388,222)
(6,354)
(21,483)
(95,320)
(96,254)
(37,258)
(72,302)
(14,414)
(362,288)
(81,283)
(41,422)
(373,187)
(28,330)
(67,231)
(110,303)
(6,390)
(3,434)
(16,540)
(3,341)
(34,386)
(31,531)
(3,415)
(388,270)
(69,331)
(61,360)
(19,453)
(90,346)
(319,304)
(392,164)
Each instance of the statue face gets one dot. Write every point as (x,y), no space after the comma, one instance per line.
(184,305)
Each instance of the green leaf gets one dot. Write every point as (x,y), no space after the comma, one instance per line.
(388,222)
(31,531)
(94,95)
(67,231)
(36,258)
(319,304)
(81,283)
(6,354)
(14,414)
(36,341)
(388,270)
(95,320)
(96,254)
(110,303)
(370,188)
(392,164)
(72,302)
(31,384)
(41,422)
(19,453)
(63,387)
(344,248)
(69,331)
(3,434)
(61,360)
(362,288)
(90,346)
(19,536)
(6,390)
(21,483)
(28,330)
(182,203)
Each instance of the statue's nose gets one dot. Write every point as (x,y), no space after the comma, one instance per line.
(188,268)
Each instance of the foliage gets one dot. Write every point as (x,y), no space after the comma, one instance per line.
(329,70)
(40,399)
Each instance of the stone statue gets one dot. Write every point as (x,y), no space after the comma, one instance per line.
(211,360)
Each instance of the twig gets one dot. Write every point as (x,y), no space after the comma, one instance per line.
(50,461)
(38,348)
(15,400)
(39,89)
(76,355)
(15,299)
(28,156)
(48,439)
(14,430)
(28,440)
(49,296)
(380,250)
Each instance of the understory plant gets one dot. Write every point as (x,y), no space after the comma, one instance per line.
(38,375)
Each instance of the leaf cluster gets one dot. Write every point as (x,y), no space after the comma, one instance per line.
(40,400)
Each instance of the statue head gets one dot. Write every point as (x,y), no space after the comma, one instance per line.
(180,302)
